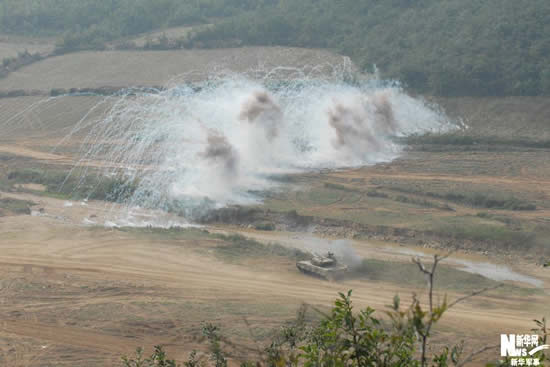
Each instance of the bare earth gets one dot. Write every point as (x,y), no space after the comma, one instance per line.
(74,292)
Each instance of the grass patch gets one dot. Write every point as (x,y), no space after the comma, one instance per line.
(172,233)
(236,246)
(473,198)
(16,206)
(377,194)
(320,196)
(500,236)
(448,278)
(422,202)
(468,140)
(265,226)
(335,186)
(510,222)
(61,185)
(228,247)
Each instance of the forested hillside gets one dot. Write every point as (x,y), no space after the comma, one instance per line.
(443,47)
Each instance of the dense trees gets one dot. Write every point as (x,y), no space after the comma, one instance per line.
(113,17)
(444,47)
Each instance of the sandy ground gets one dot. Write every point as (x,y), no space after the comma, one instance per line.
(74,293)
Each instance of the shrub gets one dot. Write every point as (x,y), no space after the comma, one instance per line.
(16,206)
(345,337)
(377,194)
(266,226)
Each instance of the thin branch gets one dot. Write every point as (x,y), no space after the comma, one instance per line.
(417,261)
(322,313)
(473,294)
(474,354)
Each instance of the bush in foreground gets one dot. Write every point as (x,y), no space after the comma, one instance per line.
(345,337)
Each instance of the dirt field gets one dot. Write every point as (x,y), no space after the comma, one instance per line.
(75,291)
(154,68)
(74,294)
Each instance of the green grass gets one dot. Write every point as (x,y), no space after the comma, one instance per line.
(320,196)
(173,233)
(379,208)
(498,236)
(16,206)
(61,183)
(471,196)
(377,194)
(447,277)
(468,140)
(236,247)
(265,226)
(335,186)
(422,202)
(229,248)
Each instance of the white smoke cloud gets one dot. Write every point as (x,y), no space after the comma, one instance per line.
(219,141)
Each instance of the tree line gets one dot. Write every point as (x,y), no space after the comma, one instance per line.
(441,47)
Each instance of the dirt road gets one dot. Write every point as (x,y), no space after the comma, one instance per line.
(96,293)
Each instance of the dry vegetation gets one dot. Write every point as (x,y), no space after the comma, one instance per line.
(504,117)
(154,68)
(10,45)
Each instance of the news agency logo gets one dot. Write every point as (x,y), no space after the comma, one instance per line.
(521,349)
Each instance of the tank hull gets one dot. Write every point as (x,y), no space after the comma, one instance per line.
(329,273)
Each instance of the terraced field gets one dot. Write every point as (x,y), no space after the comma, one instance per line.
(156,68)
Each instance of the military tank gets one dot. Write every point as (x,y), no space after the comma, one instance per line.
(326,267)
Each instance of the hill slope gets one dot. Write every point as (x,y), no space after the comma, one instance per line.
(451,47)
(443,47)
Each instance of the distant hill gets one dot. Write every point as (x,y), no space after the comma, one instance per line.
(442,47)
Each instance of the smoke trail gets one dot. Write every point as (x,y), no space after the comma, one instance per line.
(217,142)
(220,151)
(263,110)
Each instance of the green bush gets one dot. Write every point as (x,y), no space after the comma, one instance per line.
(63,183)
(377,194)
(498,236)
(468,140)
(265,226)
(16,206)
(236,246)
(346,337)
(475,199)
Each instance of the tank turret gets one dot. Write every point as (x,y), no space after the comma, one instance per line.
(326,267)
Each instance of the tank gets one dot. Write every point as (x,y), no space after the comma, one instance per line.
(326,267)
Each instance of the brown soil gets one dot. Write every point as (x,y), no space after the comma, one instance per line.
(96,293)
